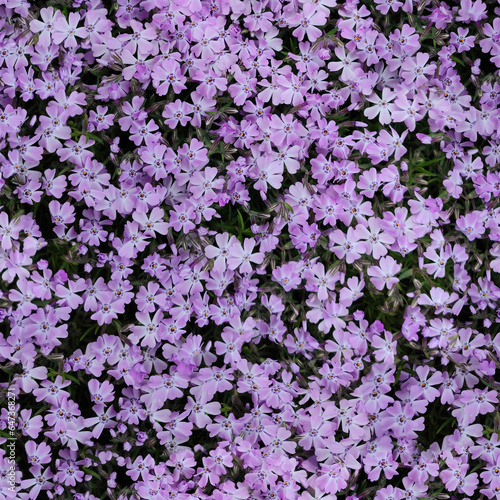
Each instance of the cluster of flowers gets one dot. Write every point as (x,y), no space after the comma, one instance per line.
(249,249)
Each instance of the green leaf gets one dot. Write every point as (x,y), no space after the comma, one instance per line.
(405,274)
(92,473)
(65,375)
(458,60)
(241,221)
(89,329)
(444,424)
(430,162)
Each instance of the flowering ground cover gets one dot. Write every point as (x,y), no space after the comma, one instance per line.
(249,249)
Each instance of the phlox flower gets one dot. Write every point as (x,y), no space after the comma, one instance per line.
(332,478)
(99,120)
(389,492)
(486,294)
(38,454)
(304,235)
(456,478)
(29,192)
(437,268)
(182,462)
(52,185)
(51,129)
(474,403)
(303,343)
(287,276)
(383,274)
(181,217)
(487,449)
(51,391)
(368,182)
(353,291)
(346,63)
(47,26)
(210,83)
(103,420)
(320,281)
(241,256)
(244,88)
(383,106)
(316,428)
(140,131)
(491,476)
(471,11)
(66,30)
(41,481)
(108,309)
(376,241)
(385,348)
(286,130)
(150,331)
(439,298)
(346,246)
(380,464)
(177,113)
(322,169)
(62,214)
(307,21)
(385,5)
(24,295)
(168,74)
(471,225)
(134,241)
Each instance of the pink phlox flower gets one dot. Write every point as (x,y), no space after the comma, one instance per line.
(440,299)
(240,257)
(353,290)
(385,347)
(406,38)
(287,276)
(473,403)
(346,246)
(182,216)
(141,131)
(382,106)
(99,119)
(486,294)
(488,450)
(41,480)
(177,113)
(210,83)
(320,281)
(303,343)
(307,22)
(46,27)
(204,184)
(38,453)
(376,241)
(108,309)
(384,274)
(456,478)
(70,296)
(471,225)
(52,391)
(66,30)
(151,330)
(100,393)
(304,235)
(471,11)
